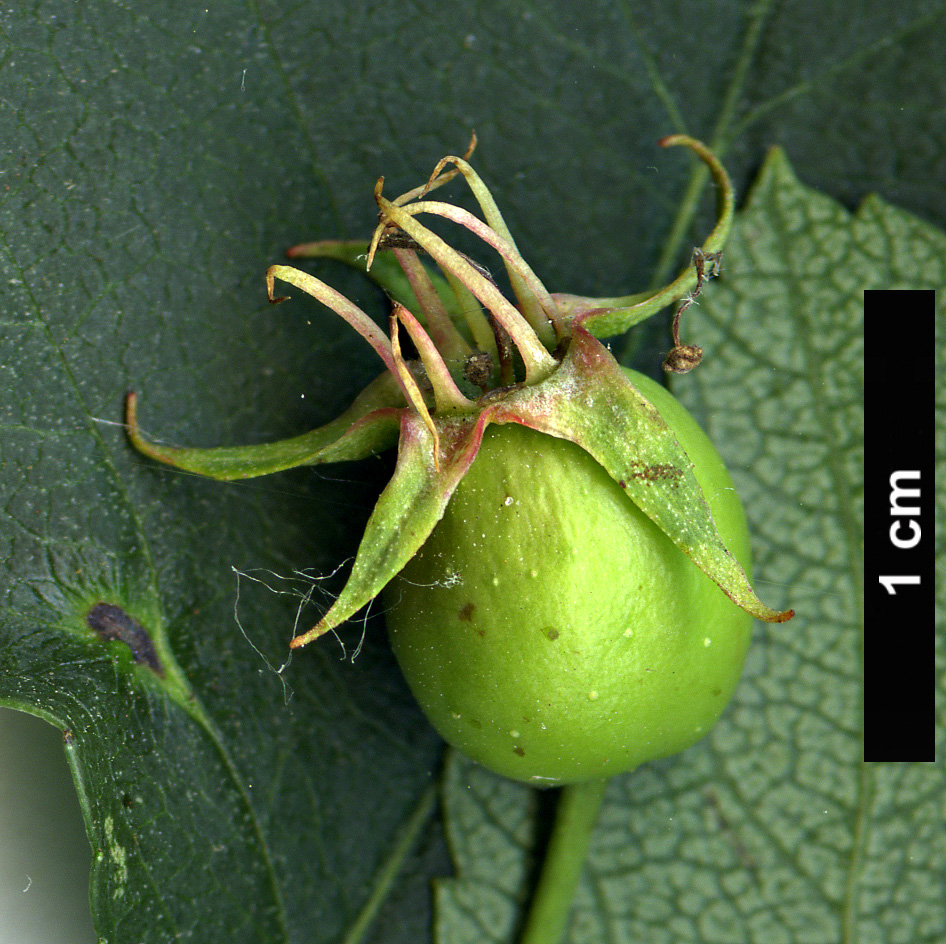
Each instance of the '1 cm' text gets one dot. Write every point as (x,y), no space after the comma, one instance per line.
(904,529)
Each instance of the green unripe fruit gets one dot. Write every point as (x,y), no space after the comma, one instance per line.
(550,630)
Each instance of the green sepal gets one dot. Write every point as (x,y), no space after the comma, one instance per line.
(606,317)
(369,426)
(591,402)
(408,510)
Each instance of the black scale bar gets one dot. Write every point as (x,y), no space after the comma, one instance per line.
(899,495)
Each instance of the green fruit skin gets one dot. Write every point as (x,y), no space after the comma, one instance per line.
(550,631)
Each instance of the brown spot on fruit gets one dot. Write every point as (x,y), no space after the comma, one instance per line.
(466,613)
(658,472)
(521,751)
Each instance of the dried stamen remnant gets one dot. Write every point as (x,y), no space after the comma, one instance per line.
(478,369)
(112,622)
(684,357)
(397,240)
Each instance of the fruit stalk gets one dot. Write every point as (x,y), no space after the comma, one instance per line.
(575,818)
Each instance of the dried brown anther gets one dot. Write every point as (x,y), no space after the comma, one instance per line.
(684,357)
(478,369)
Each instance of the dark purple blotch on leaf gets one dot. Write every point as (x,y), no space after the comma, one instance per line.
(112,622)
